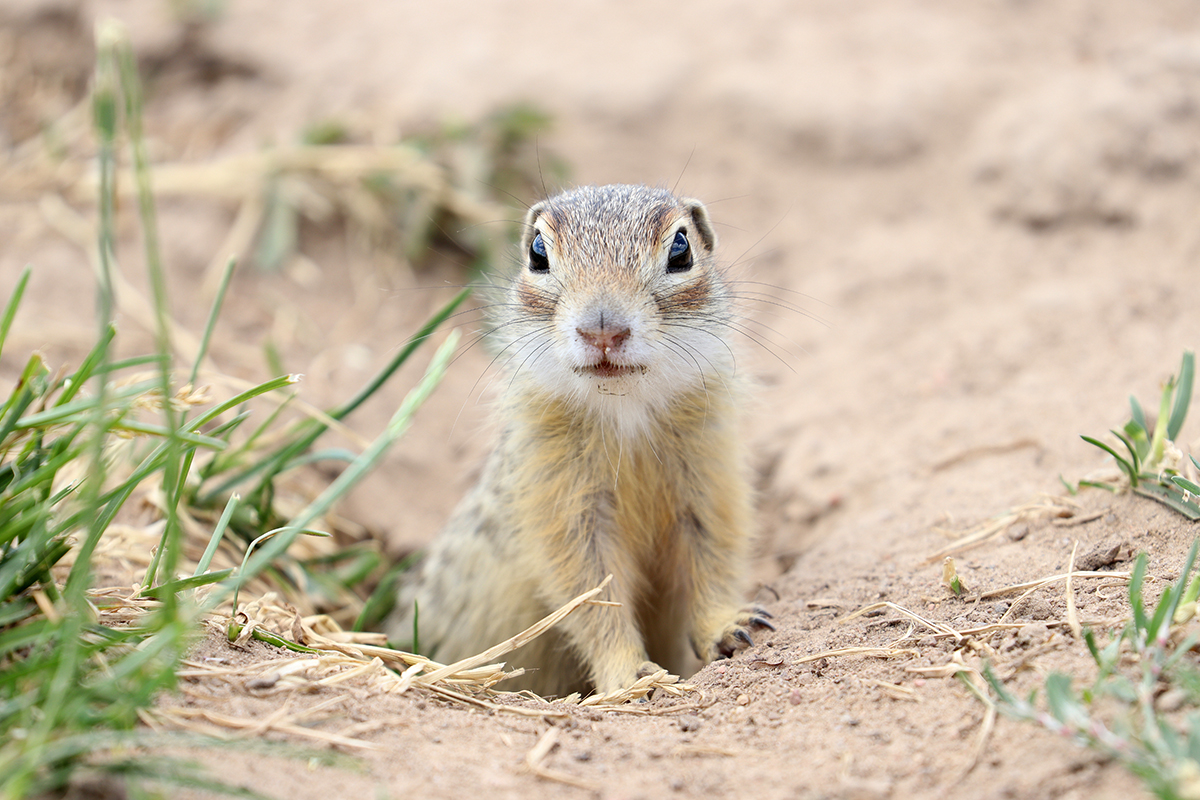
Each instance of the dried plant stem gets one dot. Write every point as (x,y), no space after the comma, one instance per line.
(1040,582)
(538,754)
(936,627)
(521,639)
(1047,507)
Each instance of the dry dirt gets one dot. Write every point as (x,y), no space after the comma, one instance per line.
(980,222)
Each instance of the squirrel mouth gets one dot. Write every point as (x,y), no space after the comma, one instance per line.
(607,369)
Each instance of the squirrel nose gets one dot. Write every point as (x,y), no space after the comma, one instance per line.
(604,339)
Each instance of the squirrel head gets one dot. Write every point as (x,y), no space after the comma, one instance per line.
(618,304)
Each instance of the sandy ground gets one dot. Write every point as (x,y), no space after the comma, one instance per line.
(980,221)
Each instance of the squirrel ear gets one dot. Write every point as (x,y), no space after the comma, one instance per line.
(528,230)
(700,219)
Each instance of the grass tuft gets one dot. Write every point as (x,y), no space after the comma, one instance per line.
(79,665)
(1118,714)
(1149,462)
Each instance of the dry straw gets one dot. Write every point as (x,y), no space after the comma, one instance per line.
(357,661)
(1047,507)
(975,639)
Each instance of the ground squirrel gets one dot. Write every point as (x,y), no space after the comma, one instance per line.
(619,453)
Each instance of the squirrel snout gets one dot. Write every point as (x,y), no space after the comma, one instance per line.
(606,340)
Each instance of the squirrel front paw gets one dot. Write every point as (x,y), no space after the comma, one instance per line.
(735,635)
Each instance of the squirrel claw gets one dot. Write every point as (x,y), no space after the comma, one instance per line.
(737,635)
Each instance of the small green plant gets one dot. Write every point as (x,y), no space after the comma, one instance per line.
(1133,669)
(1150,463)
(1190,488)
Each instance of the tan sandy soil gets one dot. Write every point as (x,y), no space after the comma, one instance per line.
(980,223)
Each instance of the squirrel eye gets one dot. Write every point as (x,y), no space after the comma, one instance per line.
(538,260)
(680,257)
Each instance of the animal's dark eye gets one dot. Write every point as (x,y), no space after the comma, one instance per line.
(538,261)
(680,257)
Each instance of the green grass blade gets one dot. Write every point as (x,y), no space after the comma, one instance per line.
(1060,699)
(1006,697)
(237,400)
(127,363)
(20,401)
(1139,415)
(217,534)
(226,429)
(104,114)
(35,565)
(1165,610)
(1183,394)
(1168,496)
(167,434)
(86,369)
(416,636)
(416,341)
(14,611)
(213,313)
(84,409)
(292,534)
(10,308)
(328,454)
(234,454)
(1089,639)
(1158,440)
(23,636)
(383,598)
(356,471)
(189,457)
(312,429)
(1134,458)
(183,584)
(1136,581)
(235,630)
(1139,440)
(1186,485)
(131,92)
(1125,466)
